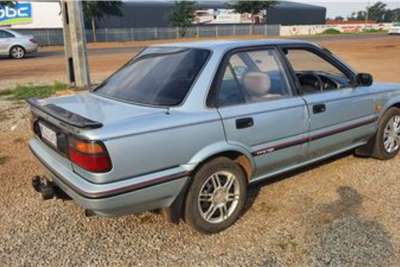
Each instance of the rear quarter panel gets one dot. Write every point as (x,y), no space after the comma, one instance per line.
(174,144)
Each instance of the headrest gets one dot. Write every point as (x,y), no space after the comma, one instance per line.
(257,84)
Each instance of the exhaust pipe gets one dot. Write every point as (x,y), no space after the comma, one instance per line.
(48,189)
(44,187)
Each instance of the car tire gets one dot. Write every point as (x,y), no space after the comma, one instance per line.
(387,139)
(17,52)
(216,197)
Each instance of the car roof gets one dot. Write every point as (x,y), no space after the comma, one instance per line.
(10,31)
(230,44)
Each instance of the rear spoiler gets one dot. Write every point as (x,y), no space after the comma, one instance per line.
(64,115)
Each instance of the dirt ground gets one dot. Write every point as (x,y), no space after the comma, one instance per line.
(341,212)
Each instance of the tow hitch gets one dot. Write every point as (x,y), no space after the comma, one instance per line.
(48,189)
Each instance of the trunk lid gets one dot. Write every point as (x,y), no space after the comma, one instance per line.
(86,115)
(100,109)
(56,120)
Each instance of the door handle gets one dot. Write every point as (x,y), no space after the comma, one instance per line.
(319,108)
(244,123)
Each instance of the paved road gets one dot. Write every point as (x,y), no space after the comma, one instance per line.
(134,49)
(95,51)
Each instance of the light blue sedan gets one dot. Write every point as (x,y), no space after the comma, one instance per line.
(185,128)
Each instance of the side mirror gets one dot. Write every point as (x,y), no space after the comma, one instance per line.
(364,79)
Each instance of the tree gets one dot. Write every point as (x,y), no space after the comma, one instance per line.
(7,3)
(251,7)
(360,15)
(377,12)
(396,15)
(339,18)
(183,15)
(93,10)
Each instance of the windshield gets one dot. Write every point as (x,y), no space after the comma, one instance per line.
(159,76)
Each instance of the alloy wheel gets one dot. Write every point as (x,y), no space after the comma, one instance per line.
(391,134)
(17,52)
(219,197)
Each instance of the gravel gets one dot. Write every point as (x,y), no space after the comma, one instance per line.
(343,212)
(13,114)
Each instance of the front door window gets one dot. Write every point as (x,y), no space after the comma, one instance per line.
(315,74)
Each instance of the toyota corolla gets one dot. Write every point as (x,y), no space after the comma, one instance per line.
(186,128)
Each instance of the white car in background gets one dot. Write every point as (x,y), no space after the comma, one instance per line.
(16,45)
(395,29)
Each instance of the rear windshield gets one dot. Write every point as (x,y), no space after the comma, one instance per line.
(159,76)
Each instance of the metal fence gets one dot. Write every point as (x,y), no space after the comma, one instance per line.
(55,36)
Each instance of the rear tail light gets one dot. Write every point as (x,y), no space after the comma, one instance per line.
(89,155)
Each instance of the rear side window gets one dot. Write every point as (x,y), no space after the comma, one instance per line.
(253,76)
(4,34)
(158,76)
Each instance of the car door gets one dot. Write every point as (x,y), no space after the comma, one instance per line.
(259,110)
(341,115)
(5,42)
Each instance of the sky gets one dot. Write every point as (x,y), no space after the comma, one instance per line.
(345,8)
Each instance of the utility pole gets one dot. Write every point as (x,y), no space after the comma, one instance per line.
(367,14)
(75,44)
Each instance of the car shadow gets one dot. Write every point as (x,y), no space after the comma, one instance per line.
(342,236)
(254,189)
(27,56)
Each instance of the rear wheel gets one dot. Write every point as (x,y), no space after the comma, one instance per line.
(387,140)
(216,197)
(17,52)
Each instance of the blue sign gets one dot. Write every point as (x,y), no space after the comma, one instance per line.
(17,14)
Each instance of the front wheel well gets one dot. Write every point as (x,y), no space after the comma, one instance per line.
(395,105)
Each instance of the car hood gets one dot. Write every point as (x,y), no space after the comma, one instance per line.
(382,86)
(101,109)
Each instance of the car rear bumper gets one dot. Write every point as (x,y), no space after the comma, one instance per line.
(32,48)
(131,195)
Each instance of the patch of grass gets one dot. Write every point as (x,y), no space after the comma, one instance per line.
(23,92)
(331,31)
(373,30)
(6,92)
(3,159)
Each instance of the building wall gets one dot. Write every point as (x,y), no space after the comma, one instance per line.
(139,16)
(301,30)
(296,16)
(156,14)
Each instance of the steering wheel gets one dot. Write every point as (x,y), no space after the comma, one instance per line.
(311,79)
(330,83)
